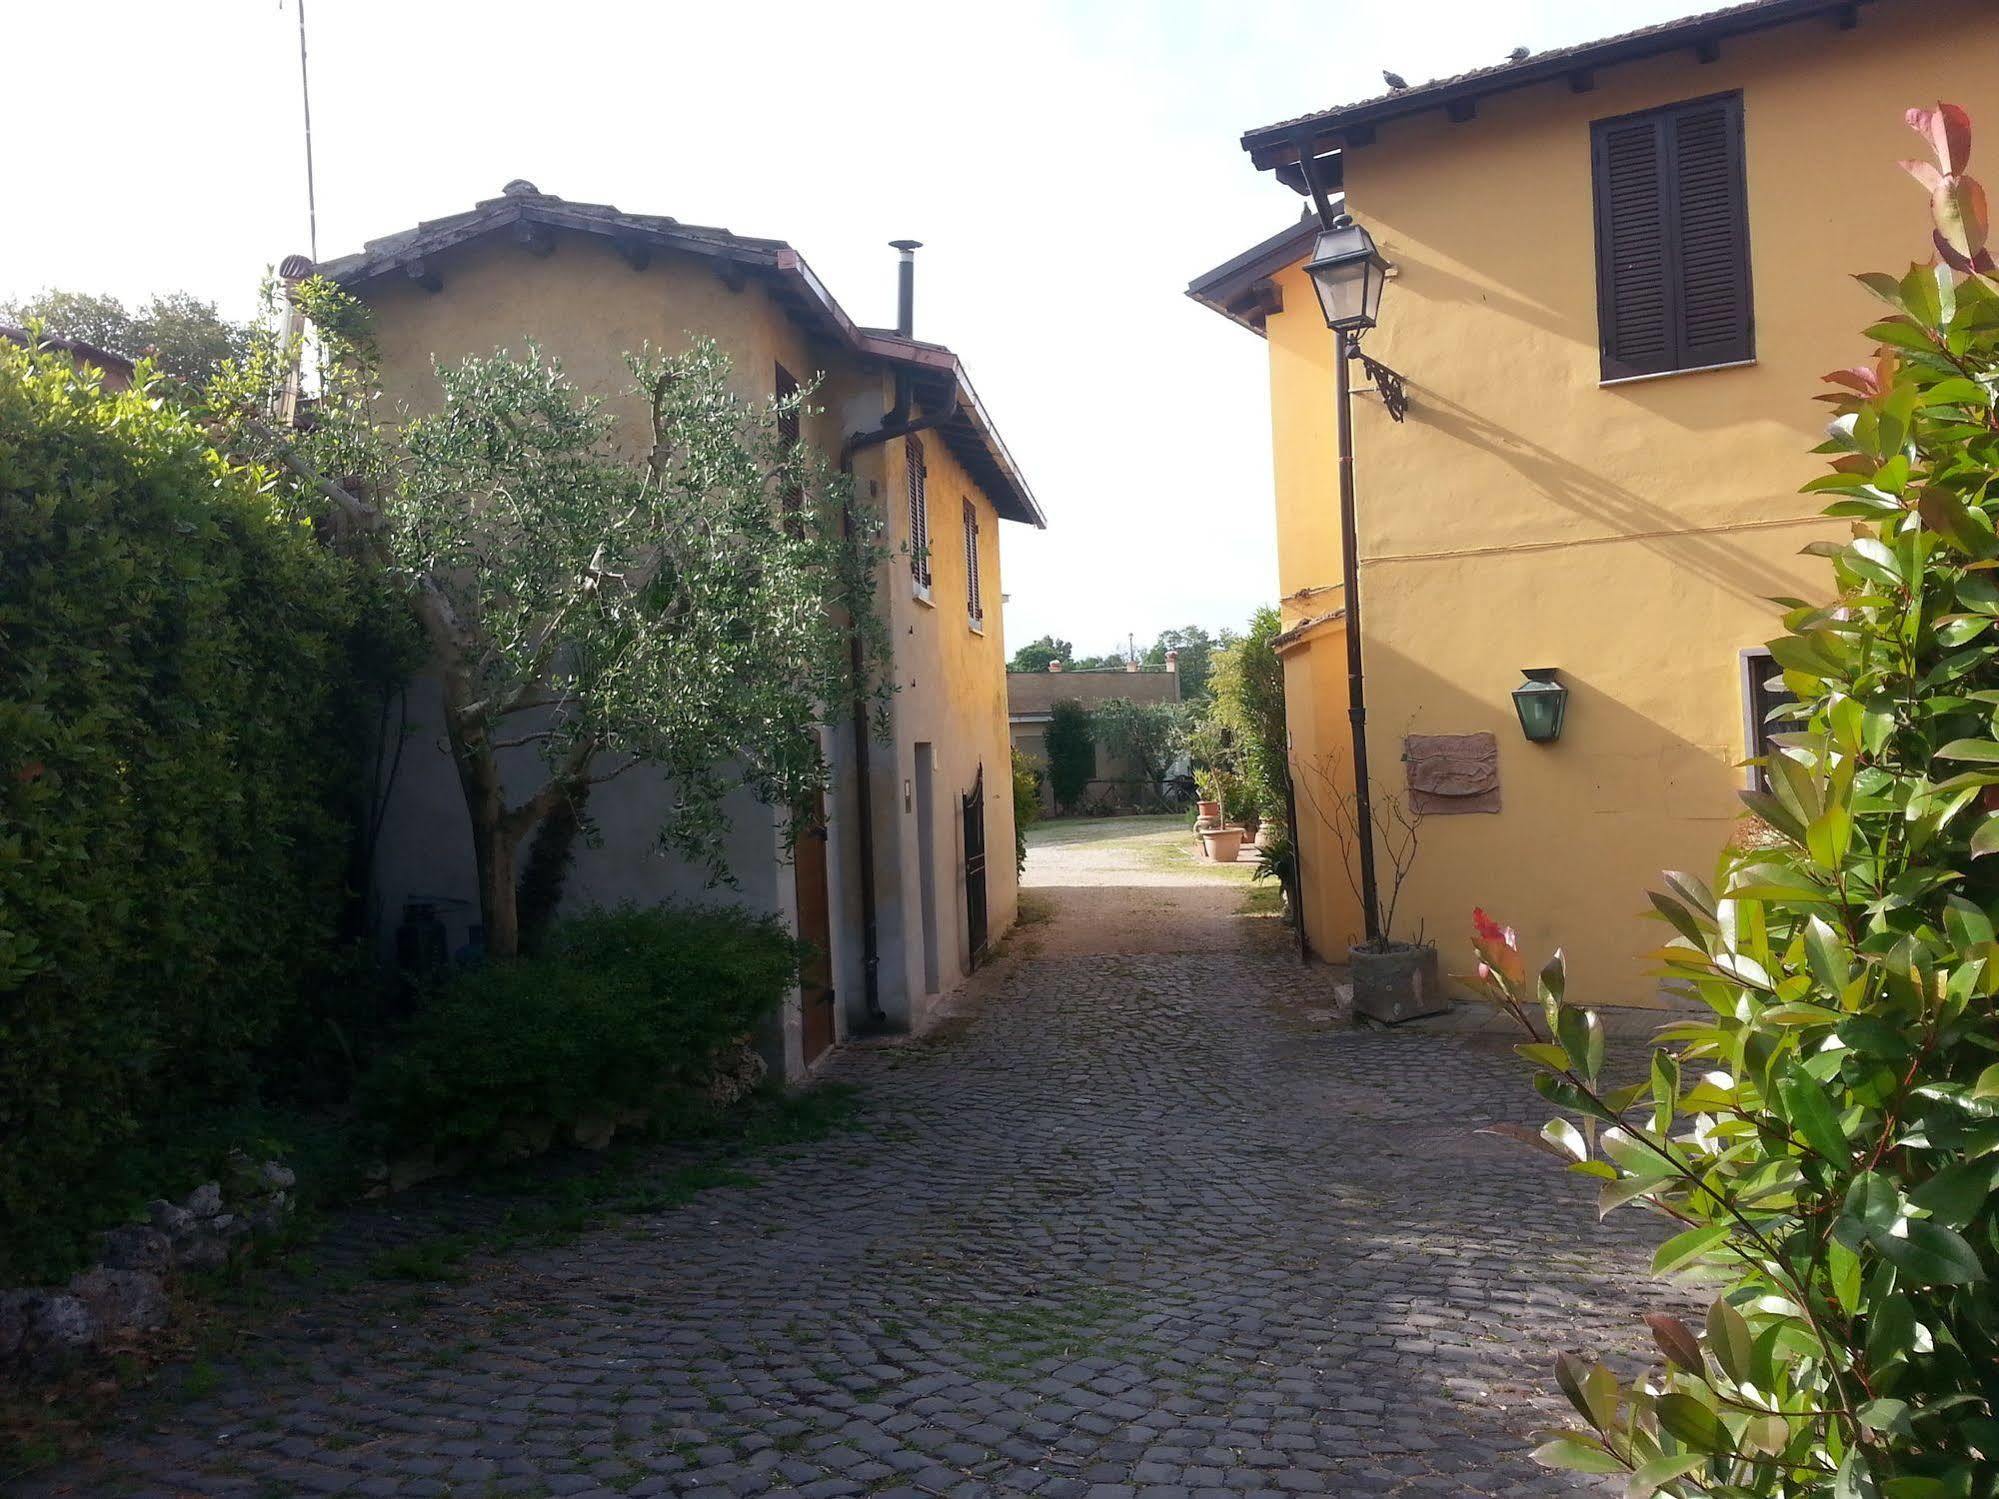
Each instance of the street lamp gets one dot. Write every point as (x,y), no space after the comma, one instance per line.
(1348,273)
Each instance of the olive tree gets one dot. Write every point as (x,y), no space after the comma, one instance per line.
(698,610)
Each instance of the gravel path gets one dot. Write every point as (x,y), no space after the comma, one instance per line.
(1136,885)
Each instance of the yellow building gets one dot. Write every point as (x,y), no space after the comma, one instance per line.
(899,893)
(1617,274)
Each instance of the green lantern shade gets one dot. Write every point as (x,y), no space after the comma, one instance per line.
(1541,701)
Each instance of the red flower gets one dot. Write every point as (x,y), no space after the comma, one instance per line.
(1498,951)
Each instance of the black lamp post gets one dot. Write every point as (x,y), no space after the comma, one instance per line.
(1348,273)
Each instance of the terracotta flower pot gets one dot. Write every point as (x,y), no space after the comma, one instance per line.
(1209,816)
(1222,845)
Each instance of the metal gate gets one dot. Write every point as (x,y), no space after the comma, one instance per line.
(974,807)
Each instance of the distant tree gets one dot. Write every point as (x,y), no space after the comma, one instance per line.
(1072,752)
(1149,736)
(1036,654)
(1099,663)
(188,337)
(1246,680)
(1026,805)
(1196,646)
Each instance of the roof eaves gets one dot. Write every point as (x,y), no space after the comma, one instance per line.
(1278,144)
(90,353)
(1226,286)
(773,257)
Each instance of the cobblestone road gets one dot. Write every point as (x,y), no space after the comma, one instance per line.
(1141,1228)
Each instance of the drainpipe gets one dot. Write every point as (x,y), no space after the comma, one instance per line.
(897,422)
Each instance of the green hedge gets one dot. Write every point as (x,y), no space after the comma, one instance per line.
(619,1010)
(183,715)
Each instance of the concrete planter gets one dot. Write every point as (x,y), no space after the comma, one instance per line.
(1222,845)
(1395,983)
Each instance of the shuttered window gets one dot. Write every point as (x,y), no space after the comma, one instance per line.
(1763,695)
(788,431)
(1672,239)
(919,512)
(975,606)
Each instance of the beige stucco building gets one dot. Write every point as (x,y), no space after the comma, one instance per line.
(896,892)
(1031,698)
(1618,274)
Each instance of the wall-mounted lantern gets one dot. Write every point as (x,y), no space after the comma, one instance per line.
(1541,701)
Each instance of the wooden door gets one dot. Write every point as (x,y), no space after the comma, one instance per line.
(974,809)
(815,926)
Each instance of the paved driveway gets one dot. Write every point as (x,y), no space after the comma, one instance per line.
(1139,1226)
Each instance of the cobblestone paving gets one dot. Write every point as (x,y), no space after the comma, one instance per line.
(1142,1228)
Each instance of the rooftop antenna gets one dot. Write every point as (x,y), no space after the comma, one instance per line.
(305,98)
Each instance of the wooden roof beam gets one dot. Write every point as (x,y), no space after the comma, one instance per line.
(536,239)
(634,251)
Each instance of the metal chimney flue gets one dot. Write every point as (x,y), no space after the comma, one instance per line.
(905,285)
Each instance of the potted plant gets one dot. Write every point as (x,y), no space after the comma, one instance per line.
(1276,860)
(1217,784)
(1394,978)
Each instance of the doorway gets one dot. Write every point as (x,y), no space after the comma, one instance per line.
(815,926)
(926,863)
(973,806)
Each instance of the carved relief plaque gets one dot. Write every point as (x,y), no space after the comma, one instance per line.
(1451,773)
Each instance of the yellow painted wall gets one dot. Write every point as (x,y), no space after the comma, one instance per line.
(1629,535)
(953,697)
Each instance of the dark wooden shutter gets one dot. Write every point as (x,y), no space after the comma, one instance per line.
(1672,239)
(919,511)
(1767,694)
(789,431)
(974,589)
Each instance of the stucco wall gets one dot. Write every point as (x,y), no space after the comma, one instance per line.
(1629,535)
(952,696)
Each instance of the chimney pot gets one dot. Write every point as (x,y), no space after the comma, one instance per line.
(1131,666)
(1172,660)
(905,285)
(1055,666)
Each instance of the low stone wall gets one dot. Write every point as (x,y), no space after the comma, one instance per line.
(125,1292)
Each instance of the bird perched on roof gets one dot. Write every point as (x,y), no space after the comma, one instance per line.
(1519,54)
(1394,80)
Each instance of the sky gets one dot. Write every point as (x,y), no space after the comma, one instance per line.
(1068,164)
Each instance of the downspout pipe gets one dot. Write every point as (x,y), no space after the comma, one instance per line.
(896,424)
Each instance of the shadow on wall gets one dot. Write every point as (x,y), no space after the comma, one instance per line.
(1619,509)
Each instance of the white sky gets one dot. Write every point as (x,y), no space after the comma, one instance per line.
(1069,166)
